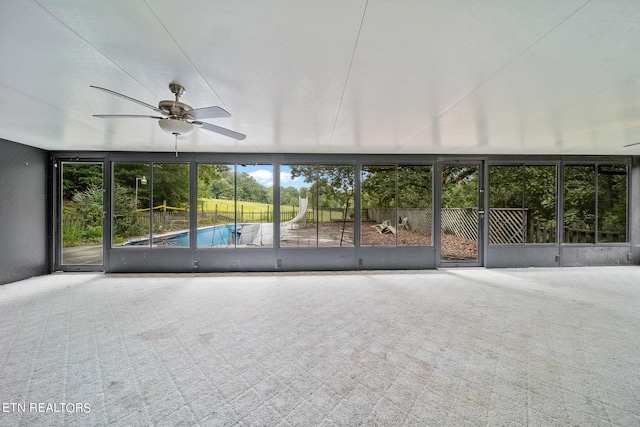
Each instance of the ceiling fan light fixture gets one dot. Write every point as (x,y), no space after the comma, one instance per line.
(175,126)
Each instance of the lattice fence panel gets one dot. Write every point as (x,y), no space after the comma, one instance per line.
(506,225)
(461,222)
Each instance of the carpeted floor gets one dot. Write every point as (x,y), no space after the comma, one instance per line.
(452,347)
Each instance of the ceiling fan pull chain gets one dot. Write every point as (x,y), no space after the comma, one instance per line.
(176,147)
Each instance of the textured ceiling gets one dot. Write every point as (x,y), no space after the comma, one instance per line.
(331,76)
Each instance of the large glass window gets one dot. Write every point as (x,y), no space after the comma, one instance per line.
(150,204)
(540,197)
(506,214)
(235,206)
(316,205)
(397,206)
(82,213)
(595,205)
(579,204)
(612,203)
(522,204)
(170,221)
(415,205)
(131,204)
(379,220)
(254,206)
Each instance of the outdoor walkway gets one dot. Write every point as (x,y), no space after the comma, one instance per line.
(455,347)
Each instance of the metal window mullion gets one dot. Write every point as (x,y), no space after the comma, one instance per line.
(357,207)
(107,212)
(316,208)
(436,236)
(57,226)
(151,200)
(235,205)
(397,195)
(275,197)
(627,168)
(596,215)
(560,184)
(523,232)
(483,197)
(193,204)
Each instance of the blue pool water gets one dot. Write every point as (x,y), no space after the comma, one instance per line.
(207,237)
(218,235)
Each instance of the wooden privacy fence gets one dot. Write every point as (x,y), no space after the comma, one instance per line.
(506,225)
(287,214)
(165,219)
(326,215)
(418,219)
(579,235)
(172,219)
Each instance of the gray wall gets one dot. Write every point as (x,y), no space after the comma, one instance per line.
(634,218)
(23,212)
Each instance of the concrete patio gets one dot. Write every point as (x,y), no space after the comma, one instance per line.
(452,347)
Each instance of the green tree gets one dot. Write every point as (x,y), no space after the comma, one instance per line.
(125,175)
(334,183)
(579,197)
(171,184)
(379,186)
(289,196)
(459,186)
(79,176)
(248,189)
(221,189)
(208,174)
(125,214)
(612,202)
(84,212)
(415,186)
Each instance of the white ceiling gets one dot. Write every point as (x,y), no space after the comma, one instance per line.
(330,76)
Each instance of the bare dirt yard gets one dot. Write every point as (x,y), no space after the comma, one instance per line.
(331,234)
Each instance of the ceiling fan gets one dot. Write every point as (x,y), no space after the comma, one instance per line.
(177,118)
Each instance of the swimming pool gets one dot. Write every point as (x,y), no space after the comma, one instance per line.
(208,237)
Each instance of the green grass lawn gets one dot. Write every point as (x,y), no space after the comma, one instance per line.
(246,211)
(221,205)
(257,212)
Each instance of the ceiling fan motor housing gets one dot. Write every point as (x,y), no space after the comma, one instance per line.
(174,108)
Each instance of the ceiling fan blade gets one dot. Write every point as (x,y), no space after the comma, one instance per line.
(126,116)
(221,131)
(629,145)
(207,113)
(144,104)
